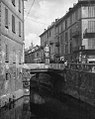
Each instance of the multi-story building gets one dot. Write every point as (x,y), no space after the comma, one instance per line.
(29,56)
(74,33)
(11,46)
(35,55)
(48,37)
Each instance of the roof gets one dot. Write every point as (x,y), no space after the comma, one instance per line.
(71,10)
(50,27)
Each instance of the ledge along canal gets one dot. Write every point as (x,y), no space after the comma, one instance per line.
(41,106)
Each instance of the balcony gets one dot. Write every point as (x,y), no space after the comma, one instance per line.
(75,34)
(89,33)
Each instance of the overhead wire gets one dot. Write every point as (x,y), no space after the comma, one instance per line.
(30,9)
(31,18)
(37,21)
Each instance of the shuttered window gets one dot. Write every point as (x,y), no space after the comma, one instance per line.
(13,2)
(66,37)
(19,29)
(91,11)
(19,57)
(7,54)
(91,26)
(14,56)
(6,17)
(19,6)
(13,24)
(65,24)
(7,76)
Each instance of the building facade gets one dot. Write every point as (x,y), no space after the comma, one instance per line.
(35,55)
(74,33)
(48,37)
(11,46)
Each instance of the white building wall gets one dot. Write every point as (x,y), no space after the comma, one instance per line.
(11,85)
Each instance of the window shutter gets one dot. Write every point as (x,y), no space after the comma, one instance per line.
(13,24)
(7,55)
(19,6)
(6,17)
(13,2)
(19,29)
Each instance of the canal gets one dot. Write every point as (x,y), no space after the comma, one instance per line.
(65,109)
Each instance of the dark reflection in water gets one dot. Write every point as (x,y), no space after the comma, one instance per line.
(53,109)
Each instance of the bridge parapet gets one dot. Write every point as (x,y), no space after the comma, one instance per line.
(82,67)
(57,66)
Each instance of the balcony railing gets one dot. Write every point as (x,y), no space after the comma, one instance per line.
(87,67)
(75,34)
(89,33)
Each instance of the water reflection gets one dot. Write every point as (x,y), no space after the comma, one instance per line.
(53,109)
(18,110)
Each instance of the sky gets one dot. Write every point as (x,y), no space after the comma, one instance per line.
(39,14)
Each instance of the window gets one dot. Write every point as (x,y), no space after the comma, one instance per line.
(7,76)
(71,20)
(91,11)
(13,24)
(6,18)
(19,57)
(37,54)
(13,2)
(19,29)
(91,26)
(14,56)
(66,37)
(66,49)
(48,34)
(70,34)
(70,47)
(76,15)
(61,27)
(19,6)
(7,54)
(65,24)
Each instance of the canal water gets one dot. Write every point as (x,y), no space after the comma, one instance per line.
(66,109)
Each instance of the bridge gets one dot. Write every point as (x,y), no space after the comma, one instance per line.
(33,66)
(76,79)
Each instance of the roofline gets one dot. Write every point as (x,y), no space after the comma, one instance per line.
(48,29)
(69,12)
(73,9)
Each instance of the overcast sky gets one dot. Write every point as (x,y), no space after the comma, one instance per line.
(39,14)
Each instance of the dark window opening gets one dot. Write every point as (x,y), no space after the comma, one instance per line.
(13,24)
(7,76)
(19,29)
(13,2)
(7,54)
(19,6)
(6,18)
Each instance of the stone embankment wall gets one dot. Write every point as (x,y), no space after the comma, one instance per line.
(80,84)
